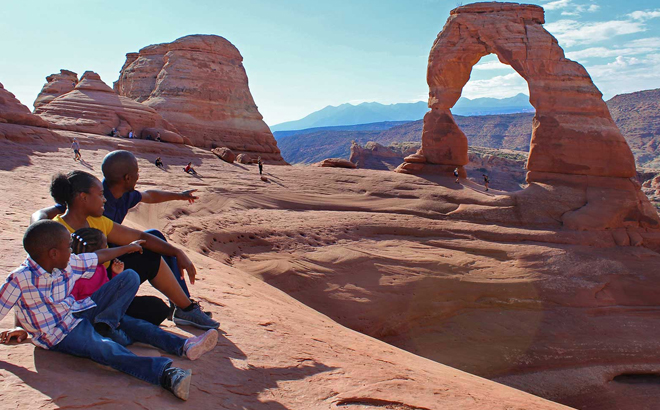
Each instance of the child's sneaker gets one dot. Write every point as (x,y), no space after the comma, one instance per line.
(177,381)
(198,345)
(194,317)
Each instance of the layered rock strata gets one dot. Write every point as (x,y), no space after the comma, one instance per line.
(13,112)
(199,84)
(93,107)
(56,85)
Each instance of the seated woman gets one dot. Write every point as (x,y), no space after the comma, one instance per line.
(159,163)
(82,193)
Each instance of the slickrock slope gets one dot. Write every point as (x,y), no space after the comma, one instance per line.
(569,315)
(56,85)
(93,107)
(276,353)
(199,84)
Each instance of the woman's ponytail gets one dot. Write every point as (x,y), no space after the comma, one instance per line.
(65,187)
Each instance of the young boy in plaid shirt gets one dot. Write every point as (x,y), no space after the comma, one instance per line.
(95,327)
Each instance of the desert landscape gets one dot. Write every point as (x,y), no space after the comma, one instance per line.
(374,281)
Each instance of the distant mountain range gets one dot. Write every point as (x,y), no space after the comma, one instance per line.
(365,113)
(636,114)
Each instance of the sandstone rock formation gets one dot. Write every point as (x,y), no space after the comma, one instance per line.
(199,84)
(336,163)
(56,85)
(376,156)
(244,159)
(573,130)
(94,107)
(224,154)
(13,112)
(574,142)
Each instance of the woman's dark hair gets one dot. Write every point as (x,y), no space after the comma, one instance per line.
(86,240)
(65,187)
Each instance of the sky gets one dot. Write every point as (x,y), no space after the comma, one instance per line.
(303,55)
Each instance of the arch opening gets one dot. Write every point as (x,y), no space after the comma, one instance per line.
(498,126)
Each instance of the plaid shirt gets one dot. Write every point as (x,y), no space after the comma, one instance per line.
(45,305)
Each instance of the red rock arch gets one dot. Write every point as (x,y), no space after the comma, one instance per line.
(573,132)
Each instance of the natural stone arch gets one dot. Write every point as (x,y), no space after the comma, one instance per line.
(573,132)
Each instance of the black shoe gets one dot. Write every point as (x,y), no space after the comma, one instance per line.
(177,381)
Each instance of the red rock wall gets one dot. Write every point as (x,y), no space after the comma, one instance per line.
(199,84)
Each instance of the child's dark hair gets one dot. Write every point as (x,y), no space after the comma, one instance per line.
(42,236)
(65,187)
(86,240)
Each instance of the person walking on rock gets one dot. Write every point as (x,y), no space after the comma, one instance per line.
(75,146)
(456,175)
(486,181)
(261,166)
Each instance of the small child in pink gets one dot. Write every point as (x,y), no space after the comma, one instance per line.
(88,240)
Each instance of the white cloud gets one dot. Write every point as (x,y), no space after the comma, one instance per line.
(502,86)
(627,74)
(574,9)
(491,65)
(645,15)
(557,4)
(635,47)
(572,32)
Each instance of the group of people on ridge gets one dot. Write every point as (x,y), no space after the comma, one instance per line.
(76,291)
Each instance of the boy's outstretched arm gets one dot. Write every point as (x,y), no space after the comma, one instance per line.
(109,254)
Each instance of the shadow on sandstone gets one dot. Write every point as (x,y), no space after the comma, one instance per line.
(223,378)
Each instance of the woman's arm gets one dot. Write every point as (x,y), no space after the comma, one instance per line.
(122,235)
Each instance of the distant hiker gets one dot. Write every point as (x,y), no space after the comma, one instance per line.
(456,175)
(114,133)
(76,150)
(261,165)
(189,169)
(130,134)
(158,136)
(159,163)
(486,181)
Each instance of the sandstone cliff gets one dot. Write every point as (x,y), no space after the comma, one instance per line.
(199,84)
(56,85)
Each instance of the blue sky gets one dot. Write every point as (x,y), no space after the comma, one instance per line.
(301,56)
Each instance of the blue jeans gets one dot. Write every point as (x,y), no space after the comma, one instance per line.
(112,299)
(171,262)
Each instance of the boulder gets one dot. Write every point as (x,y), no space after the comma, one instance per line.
(13,112)
(93,107)
(224,154)
(199,84)
(336,163)
(56,85)
(244,159)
